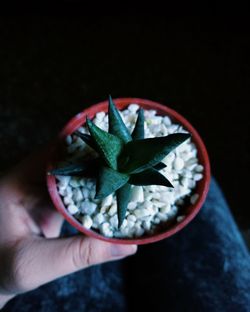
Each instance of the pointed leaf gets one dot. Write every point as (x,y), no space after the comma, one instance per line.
(109,181)
(146,153)
(88,168)
(86,138)
(116,124)
(138,132)
(160,166)
(149,177)
(108,145)
(123,195)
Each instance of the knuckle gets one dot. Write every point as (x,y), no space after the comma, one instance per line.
(82,253)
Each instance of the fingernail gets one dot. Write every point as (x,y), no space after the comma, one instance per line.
(123,250)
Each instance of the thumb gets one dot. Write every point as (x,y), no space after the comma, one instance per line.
(49,259)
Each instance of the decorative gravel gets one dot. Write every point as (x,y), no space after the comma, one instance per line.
(149,206)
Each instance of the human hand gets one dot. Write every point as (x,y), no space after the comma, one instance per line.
(31,254)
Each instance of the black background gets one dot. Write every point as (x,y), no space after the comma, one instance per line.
(53,67)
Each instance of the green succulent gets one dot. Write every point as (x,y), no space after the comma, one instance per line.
(124,159)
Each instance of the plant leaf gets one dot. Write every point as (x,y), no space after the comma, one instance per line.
(123,195)
(86,138)
(149,177)
(88,168)
(107,145)
(109,181)
(160,166)
(146,153)
(138,132)
(116,124)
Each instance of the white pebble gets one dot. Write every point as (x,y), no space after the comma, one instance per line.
(88,207)
(178,164)
(68,200)
(107,201)
(167,121)
(198,177)
(114,221)
(68,139)
(173,128)
(112,210)
(139,231)
(77,195)
(146,225)
(85,193)
(140,213)
(168,159)
(100,116)
(162,216)
(156,220)
(72,209)
(180,218)
(131,218)
(132,205)
(137,194)
(87,221)
(165,209)
(74,182)
(105,229)
(199,168)
(133,107)
(194,198)
(99,218)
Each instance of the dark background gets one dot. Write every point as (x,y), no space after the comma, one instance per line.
(51,68)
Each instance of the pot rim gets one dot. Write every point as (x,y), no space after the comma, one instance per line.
(121,103)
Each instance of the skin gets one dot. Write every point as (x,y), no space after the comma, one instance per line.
(31,252)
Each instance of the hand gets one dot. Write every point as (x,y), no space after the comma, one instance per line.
(31,254)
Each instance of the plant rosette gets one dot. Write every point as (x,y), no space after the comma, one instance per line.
(129,171)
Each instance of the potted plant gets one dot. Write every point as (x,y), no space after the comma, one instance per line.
(134,176)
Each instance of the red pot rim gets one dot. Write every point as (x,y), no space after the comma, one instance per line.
(201,188)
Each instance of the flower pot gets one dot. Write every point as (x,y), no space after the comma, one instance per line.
(190,210)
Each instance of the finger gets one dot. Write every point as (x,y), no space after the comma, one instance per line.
(49,259)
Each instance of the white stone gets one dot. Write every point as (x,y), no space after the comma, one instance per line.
(68,200)
(140,213)
(133,107)
(112,210)
(107,201)
(194,198)
(72,209)
(100,116)
(180,218)
(168,159)
(132,205)
(165,209)
(114,221)
(99,218)
(74,182)
(77,195)
(198,176)
(87,221)
(178,164)
(167,121)
(199,168)
(88,207)
(137,194)
(131,218)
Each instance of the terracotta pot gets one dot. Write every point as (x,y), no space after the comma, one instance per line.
(201,187)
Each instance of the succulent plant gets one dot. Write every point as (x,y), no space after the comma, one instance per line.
(124,159)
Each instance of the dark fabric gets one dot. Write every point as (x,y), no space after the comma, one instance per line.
(205,267)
